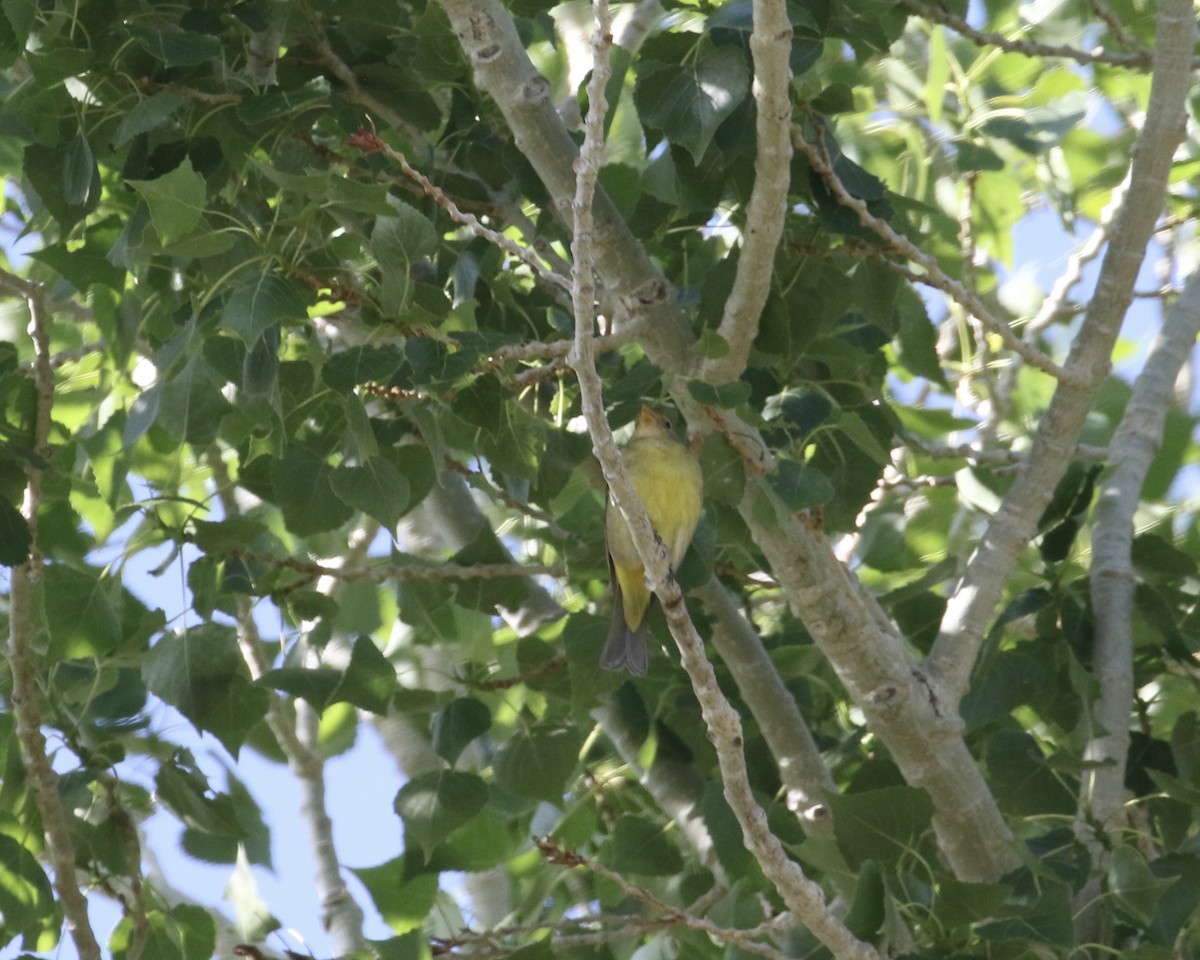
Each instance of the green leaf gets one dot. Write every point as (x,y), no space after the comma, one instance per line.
(403,900)
(184,932)
(882,825)
(376,488)
(191,404)
(222,536)
(201,673)
(918,338)
(367,682)
(265,302)
(869,909)
(1022,780)
(153,111)
(457,724)
(436,803)
(177,48)
(960,904)
(176,201)
(26,897)
(82,612)
(79,171)
(688,101)
(536,762)
(303,489)
(1136,888)
(15,538)
(637,846)
(856,429)
(348,368)
(1046,920)
(727,396)
(800,487)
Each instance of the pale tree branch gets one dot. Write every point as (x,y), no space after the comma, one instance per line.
(1113,585)
(804,897)
(746,940)
(23,627)
(804,774)
(296,734)
(770,46)
(902,705)
(970,608)
(1113,580)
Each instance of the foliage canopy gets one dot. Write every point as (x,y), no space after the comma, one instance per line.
(293,299)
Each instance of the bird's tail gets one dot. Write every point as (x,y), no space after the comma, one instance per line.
(624,649)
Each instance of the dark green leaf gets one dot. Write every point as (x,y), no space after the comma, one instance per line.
(265,302)
(15,538)
(436,803)
(176,201)
(403,900)
(726,396)
(536,762)
(79,170)
(457,724)
(882,825)
(302,484)
(177,48)
(638,846)
(201,673)
(688,101)
(800,487)
(376,488)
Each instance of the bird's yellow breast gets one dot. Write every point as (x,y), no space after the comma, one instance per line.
(668,479)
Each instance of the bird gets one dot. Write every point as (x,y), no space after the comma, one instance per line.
(668,479)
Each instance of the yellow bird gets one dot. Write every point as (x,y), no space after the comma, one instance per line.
(667,478)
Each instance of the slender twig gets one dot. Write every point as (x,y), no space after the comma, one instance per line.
(1117,28)
(822,164)
(22,632)
(371,142)
(1055,304)
(743,939)
(970,608)
(941,14)
(386,573)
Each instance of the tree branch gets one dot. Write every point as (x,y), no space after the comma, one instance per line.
(971,607)
(903,705)
(23,628)
(296,734)
(1055,303)
(1113,579)
(804,774)
(770,46)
